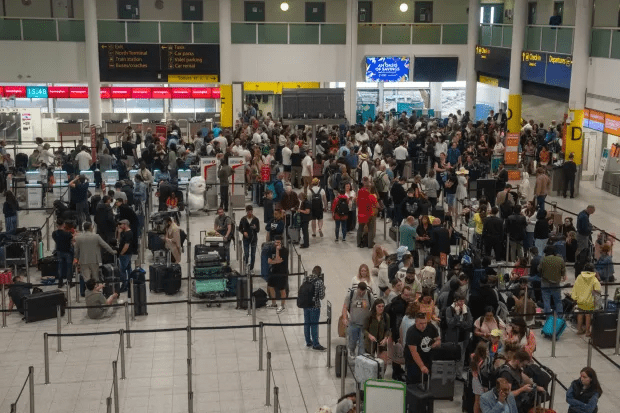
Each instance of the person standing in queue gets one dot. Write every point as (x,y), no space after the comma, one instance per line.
(224,226)
(125,251)
(420,340)
(249,227)
(306,211)
(278,275)
(223,173)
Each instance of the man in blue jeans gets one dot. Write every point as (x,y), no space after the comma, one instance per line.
(126,248)
(355,312)
(312,314)
(64,253)
(249,227)
(552,272)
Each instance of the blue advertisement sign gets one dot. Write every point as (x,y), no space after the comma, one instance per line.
(387,69)
(533,65)
(36,92)
(559,68)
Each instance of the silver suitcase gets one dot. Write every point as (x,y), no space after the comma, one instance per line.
(368,367)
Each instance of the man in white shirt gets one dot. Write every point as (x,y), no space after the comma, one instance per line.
(84,159)
(361,136)
(256,138)
(400,154)
(286,162)
(222,142)
(306,170)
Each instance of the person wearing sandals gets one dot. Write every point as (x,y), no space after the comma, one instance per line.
(586,286)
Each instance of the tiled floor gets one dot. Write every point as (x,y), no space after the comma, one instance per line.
(225,362)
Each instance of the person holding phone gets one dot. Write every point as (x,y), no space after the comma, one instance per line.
(499,400)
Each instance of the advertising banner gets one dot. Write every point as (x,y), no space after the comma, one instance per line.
(208,170)
(387,69)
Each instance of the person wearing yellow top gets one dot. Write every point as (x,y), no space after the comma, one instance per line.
(479,221)
(586,286)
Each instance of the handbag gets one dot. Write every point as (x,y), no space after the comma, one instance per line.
(443,259)
(342,329)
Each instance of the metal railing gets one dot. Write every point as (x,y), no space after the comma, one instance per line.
(288,33)
(540,38)
(113,31)
(412,33)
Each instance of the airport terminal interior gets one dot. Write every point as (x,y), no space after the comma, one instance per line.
(188,109)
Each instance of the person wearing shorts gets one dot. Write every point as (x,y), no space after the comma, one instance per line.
(450,190)
(278,275)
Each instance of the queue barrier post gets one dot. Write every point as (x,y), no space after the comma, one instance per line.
(31,382)
(260,346)
(13,408)
(329,334)
(276,400)
(554,379)
(589,361)
(69,321)
(189,342)
(617,352)
(127,324)
(298,263)
(47,233)
(77,288)
(122,351)
(115,386)
(108,404)
(133,307)
(554,337)
(525,301)
(358,395)
(343,369)
(46,356)
(253,302)
(268,379)
(3,308)
(385,226)
(249,285)
(58,328)
(190,392)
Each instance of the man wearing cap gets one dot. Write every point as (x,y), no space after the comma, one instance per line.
(318,204)
(125,250)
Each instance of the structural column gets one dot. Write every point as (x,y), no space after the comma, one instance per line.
(380,103)
(91,45)
(579,78)
(473,23)
(435,100)
(226,97)
(352,63)
(518,39)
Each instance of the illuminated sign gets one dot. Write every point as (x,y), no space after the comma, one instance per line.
(121,92)
(15,91)
(105,93)
(58,92)
(36,92)
(612,124)
(488,80)
(141,93)
(181,93)
(597,120)
(201,92)
(78,92)
(161,93)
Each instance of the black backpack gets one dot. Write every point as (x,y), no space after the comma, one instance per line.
(316,202)
(342,207)
(138,139)
(305,295)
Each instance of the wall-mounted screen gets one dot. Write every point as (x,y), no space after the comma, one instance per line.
(435,69)
(387,69)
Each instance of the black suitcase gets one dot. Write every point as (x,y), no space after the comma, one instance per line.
(94,200)
(43,306)
(155,241)
(339,349)
(604,328)
(242,293)
(171,282)
(393,232)
(15,250)
(156,278)
(439,212)
(443,374)
(447,352)
(139,298)
(418,399)
(49,266)
(112,285)
(107,271)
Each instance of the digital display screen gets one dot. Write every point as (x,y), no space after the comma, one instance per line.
(215,93)
(58,92)
(597,120)
(141,93)
(16,91)
(435,69)
(78,92)
(494,61)
(612,124)
(36,92)
(533,66)
(201,92)
(387,69)
(121,93)
(586,118)
(181,93)
(105,93)
(559,68)
(161,93)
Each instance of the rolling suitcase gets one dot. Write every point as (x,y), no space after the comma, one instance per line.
(171,282)
(294,234)
(443,374)
(155,242)
(339,349)
(439,212)
(43,306)
(447,352)
(604,330)
(242,293)
(368,367)
(139,298)
(160,257)
(419,398)
(156,277)
(49,267)
(6,276)
(547,330)
(393,231)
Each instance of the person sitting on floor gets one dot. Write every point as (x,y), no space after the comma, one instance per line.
(17,291)
(94,297)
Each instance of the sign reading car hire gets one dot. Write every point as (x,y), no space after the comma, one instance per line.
(387,69)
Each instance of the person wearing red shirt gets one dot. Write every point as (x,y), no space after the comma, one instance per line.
(367,205)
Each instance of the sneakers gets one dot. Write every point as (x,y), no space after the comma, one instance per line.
(319,348)
(336,239)
(280,310)
(271,305)
(344,240)
(309,345)
(120,302)
(321,233)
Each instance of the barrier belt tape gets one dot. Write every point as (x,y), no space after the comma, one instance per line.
(605,356)
(22,390)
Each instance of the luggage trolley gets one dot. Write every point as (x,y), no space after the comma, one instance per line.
(210,280)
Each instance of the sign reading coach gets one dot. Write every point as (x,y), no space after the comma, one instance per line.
(387,69)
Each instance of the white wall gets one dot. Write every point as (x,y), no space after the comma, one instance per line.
(335,11)
(606,13)
(43,62)
(444,11)
(604,80)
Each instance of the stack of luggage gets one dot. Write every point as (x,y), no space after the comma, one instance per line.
(210,270)
(165,278)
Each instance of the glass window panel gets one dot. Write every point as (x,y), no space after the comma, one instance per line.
(368,34)
(181,105)
(156,106)
(71,105)
(205,105)
(565,40)
(243,33)
(119,105)
(600,43)
(333,34)
(272,34)
(485,35)
(138,105)
(548,39)
(39,29)
(142,32)
(207,32)
(496,35)
(455,34)
(400,34)
(71,30)
(507,36)
(176,32)
(532,39)
(111,31)
(10,29)
(426,34)
(304,34)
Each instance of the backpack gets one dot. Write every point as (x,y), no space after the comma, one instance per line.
(380,184)
(334,180)
(352,291)
(316,201)
(138,139)
(305,295)
(342,207)
(296,220)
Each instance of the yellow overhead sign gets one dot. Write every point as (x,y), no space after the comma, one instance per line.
(488,80)
(276,87)
(193,79)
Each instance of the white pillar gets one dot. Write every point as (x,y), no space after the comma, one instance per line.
(91,46)
(381,102)
(352,63)
(225,42)
(514,85)
(435,100)
(473,24)
(579,77)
